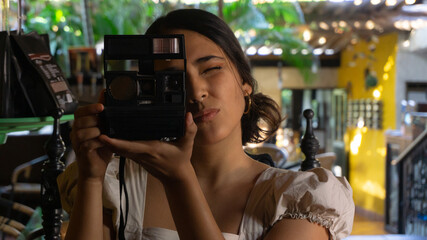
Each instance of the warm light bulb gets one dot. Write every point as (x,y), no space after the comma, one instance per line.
(329,51)
(334,24)
(317,51)
(251,51)
(390,3)
(370,24)
(357,24)
(357,2)
(406,43)
(304,51)
(324,26)
(277,51)
(409,2)
(263,51)
(386,76)
(322,40)
(376,94)
(306,35)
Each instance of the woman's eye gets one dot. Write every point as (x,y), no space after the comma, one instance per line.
(212,68)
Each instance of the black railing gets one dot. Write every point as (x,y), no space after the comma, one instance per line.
(406,189)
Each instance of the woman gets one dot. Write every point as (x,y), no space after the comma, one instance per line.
(203,186)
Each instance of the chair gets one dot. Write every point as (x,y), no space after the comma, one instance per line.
(327,159)
(24,187)
(278,155)
(12,227)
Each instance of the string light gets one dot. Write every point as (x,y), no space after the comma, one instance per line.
(386,76)
(318,51)
(370,24)
(357,24)
(306,35)
(390,3)
(251,50)
(324,26)
(376,94)
(329,51)
(263,51)
(322,40)
(304,52)
(334,24)
(406,43)
(358,2)
(277,51)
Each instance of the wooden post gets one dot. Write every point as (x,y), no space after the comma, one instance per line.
(309,144)
(52,167)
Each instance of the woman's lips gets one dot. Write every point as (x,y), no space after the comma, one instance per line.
(205,115)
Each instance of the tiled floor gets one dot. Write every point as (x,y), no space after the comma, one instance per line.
(365,229)
(364,226)
(385,237)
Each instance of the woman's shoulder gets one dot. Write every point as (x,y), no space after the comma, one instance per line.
(286,180)
(316,195)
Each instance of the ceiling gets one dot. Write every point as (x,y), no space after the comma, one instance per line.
(333,25)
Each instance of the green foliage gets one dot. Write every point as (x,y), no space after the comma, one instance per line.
(61,21)
(270,24)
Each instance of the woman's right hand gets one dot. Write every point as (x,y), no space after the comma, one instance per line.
(92,155)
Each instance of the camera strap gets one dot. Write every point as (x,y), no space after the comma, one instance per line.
(123,220)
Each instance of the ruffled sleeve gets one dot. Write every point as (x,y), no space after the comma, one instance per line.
(318,196)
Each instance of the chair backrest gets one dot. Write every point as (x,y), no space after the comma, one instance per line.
(327,159)
(278,155)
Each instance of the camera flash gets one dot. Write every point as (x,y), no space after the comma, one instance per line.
(165,45)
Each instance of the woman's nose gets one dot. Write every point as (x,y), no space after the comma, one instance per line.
(196,89)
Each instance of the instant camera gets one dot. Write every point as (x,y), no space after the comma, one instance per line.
(142,103)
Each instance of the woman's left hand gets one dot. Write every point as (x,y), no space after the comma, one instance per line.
(164,160)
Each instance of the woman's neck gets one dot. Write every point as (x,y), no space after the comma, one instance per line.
(216,163)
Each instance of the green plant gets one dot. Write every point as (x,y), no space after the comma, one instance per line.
(269,24)
(273,25)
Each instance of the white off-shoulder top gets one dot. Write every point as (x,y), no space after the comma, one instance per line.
(316,195)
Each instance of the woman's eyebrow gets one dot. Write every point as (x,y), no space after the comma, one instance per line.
(207,58)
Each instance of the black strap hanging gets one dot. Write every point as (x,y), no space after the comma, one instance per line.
(123,220)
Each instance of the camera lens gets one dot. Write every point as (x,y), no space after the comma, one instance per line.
(123,88)
(147,87)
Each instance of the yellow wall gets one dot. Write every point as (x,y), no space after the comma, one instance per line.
(367,147)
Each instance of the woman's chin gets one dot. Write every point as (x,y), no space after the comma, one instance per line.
(207,138)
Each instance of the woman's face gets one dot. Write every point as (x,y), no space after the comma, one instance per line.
(215,93)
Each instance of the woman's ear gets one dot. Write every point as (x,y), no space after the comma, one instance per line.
(247,89)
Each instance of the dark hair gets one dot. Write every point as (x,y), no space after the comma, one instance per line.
(262,107)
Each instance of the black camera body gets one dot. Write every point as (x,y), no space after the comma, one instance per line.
(142,103)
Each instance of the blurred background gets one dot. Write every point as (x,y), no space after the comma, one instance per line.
(360,65)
